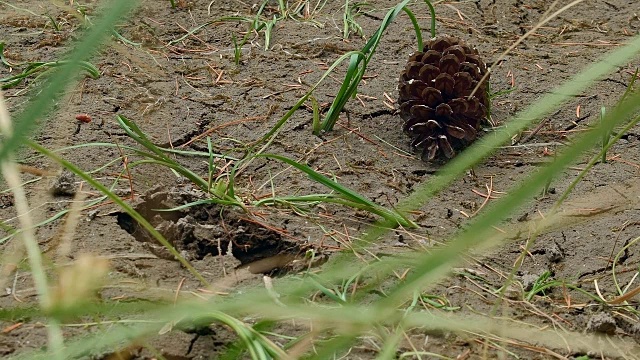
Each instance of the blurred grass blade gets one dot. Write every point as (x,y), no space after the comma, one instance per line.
(490,142)
(435,266)
(118,201)
(594,160)
(172,151)
(345,321)
(50,219)
(54,87)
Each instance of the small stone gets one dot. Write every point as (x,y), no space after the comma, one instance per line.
(92,214)
(469,205)
(554,253)
(523,217)
(6,200)
(64,185)
(635,331)
(513,292)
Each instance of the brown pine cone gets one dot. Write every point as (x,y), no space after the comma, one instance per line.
(434,97)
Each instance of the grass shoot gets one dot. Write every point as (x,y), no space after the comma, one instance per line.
(358,63)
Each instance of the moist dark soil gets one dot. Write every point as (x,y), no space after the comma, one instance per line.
(181,87)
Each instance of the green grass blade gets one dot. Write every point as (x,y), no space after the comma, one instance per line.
(33,68)
(166,150)
(416,27)
(159,158)
(270,135)
(358,64)
(196,203)
(50,219)
(479,233)
(196,29)
(139,136)
(4,60)
(432,11)
(594,161)
(345,192)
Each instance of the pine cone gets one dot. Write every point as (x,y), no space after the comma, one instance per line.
(434,97)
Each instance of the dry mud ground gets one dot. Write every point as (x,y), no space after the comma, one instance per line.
(178,90)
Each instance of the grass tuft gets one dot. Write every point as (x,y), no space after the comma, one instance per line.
(358,62)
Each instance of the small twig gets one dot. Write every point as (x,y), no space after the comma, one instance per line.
(486,199)
(175,298)
(215,128)
(125,163)
(537,128)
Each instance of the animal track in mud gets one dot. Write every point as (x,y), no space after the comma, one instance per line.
(208,229)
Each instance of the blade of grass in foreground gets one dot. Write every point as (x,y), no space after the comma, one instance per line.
(118,201)
(243,300)
(436,265)
(54,87)
(346,322)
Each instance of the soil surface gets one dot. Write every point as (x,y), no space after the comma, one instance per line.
(181,87)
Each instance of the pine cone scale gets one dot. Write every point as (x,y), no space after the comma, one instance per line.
(456,132)
(428,73)
(449,64)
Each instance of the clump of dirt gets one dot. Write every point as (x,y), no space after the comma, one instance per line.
(210,229)
(64,184)
(602,323)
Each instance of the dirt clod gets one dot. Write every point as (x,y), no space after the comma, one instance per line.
(602,323)
(528,281)
(64,184)
(554,253)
